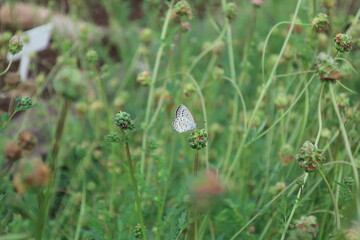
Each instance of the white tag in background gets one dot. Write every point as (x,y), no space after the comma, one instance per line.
(39,39)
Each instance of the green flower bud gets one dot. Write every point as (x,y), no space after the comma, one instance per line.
(306,228)
(113,137)
(91,186)
(231,11)
(68,82)
(189,89)
(182,8)
(343,42)
(342,100)
(349,181)
(137,232)
(321,22)
(15,45)
(277,188)
(218,72)
(198,139)
(146,36)
(281,100)
(143,78)
(92,56)
(286,154)
(326,133)
(124,121)
(87,235)
(310,158)
(327,68)
(24,102)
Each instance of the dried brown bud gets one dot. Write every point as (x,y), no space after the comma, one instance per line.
(27,140)
(30,174)
(13,151)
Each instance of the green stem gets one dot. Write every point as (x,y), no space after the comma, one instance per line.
(296,204)
(235,101)
(8,66)
(196,163)
(134,184)
(336,210)
(262,94)
(295,73)
(152,86)
(45,198)
(16,236)
(202,100)
(319,117)
(262,211)
(82,209)
(347,145)
(241,98)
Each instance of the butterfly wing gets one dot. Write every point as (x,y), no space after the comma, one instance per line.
(182,111)
(182,124)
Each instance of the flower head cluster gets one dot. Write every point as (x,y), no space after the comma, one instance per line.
(198,139)
(27,140)
(321,22)
(257,3)
(68,82)
(15,45)
(15,150)
(31,173)
(231,11)
(286,154)
(308,225)
(143,78)
(92,57)
(124,121)
(113,137)
(327,67)
(146,36)
(189,89)
(343,42)
(137,232)
(24,102)
(310,157)
(182,8)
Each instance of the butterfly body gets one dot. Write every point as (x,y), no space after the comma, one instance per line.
(183,121)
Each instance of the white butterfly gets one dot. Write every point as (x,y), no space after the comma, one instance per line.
(183,121)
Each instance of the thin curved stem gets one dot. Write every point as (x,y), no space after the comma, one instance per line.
(202,100)
(296,204)
(295,73)
(285,113)
(264,208)
(263,92)
(336,210)
(82,209)
(267,40)
(319,116)
(241,98)
(134,184)
(152,86)
(8,66)
(206,51)
(347,144)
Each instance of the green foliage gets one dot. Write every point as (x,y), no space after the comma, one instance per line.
(255,98)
